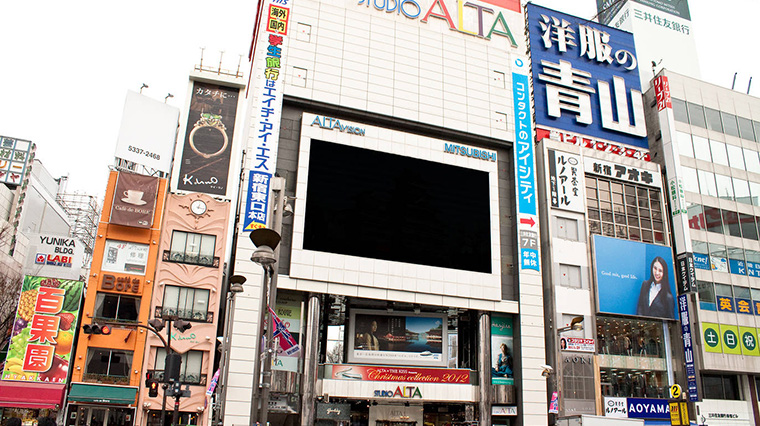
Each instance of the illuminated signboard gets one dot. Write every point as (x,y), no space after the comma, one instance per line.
(585,78)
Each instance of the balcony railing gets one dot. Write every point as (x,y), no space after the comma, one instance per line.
(105,379)
(188,378)
(185,314)
(190,258)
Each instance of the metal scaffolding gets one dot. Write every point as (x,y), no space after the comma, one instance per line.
(84,211)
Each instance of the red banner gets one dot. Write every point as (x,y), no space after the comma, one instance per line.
(404,374)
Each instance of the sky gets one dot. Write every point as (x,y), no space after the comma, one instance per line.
(66,67)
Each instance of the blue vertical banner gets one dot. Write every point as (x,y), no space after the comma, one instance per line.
(688,350)
(257,201)
(525,169)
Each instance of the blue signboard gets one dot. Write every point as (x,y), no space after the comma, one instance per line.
(585,77)
(688,349)
(737,267)
(257,201)
(744,306)
(701,261)
(634,278)
(647,408)
(725,304)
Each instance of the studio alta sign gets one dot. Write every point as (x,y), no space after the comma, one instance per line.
(475,18)
(401,392)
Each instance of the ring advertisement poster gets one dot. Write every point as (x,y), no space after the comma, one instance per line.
(207,147)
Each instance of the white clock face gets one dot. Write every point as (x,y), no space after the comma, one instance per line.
(198,207)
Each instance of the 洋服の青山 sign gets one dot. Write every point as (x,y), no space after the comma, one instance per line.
(490,20)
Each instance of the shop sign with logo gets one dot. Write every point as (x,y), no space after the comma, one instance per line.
(566,181)
(503,410)
(587,142)
(399,374)
(331,123)
(626,173)
(406,392)
(134,200)
(121,284)
(333,411)
(55,256)
(577,344)
(125,257)
(577,67)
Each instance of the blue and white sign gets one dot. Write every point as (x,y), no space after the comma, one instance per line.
(525,170)
(585,77)
(688,349)
(647,408)
(257,201)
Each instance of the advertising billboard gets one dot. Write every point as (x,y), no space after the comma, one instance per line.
(54,256)
(15,155)
(377,373)
(43,332)
(502,350)
(634,278)
(147,132)
(585,78)
(134,200)
(607,9)
(397,338)
(125,257)
(205,161)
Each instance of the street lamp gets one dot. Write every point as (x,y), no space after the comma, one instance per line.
(235,286)
(576,324)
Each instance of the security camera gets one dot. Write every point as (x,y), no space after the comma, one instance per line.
(547,370)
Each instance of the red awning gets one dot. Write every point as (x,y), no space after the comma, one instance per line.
(31,395)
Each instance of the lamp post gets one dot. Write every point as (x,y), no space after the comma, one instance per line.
(156,325)
(267,254)
(236,286)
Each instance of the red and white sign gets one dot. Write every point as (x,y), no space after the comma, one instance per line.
(599,145)
(394,374)
(577,344)
(662,93)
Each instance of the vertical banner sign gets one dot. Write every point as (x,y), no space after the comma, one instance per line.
(205,161)
(687,278)
(43,332)
(566,181)
(525,176)
(267,107)
(662,93)
(688,350)
(502,350)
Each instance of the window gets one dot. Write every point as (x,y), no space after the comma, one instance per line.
(729,124)
(731,223)
(724,290)
(679,110)
(696,216)
(713,219)
(754,193)
(191,370)
(715,386)
(569,275)
(735,157)
(736,255)
(690,182)
(741,191)
(567,228)
(701,148)
(707,183)
(725,187)
(685,147)
(192,248)
(745,128)
(706,296)
(117,307)
(696,115)
(751,160)
(756,126)
(109,362)
(186,303)
(749,229)
(718,258)
(713,120)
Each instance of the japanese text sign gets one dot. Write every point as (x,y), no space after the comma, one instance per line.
(43,332)
(623,172)
(257,201)
(585,77)
(566,181)
(688,346)
(15,155)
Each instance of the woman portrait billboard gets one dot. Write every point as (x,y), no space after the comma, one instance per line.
(634,278)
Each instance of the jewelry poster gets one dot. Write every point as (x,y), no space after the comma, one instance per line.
(207,148)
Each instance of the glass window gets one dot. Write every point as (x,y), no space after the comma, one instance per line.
(729,124)
(713,220)
(725,187)
(756,126)
(741,191)
(718,258)
(755,293)
(699,247)
(737,255)
(117,307)
(186,303)
(192,248)
(690,182)
(707,183)
(701,148)
(570,275)
(749,229)
(718,150)
(731,223)
(679,110)
(567,228)
(754,192)
(745,128)
(630,337)
(696,115)
(706,296)
(108,362)
(751,160)
(716,386)
(685,147)
(191,369)
(696,216)
(742,292)
(713,119)
(735,157)
(723,290)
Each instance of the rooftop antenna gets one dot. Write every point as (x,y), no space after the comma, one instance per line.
(734,83)
(221,55)
(144,86)
(201,65)
(168,95)
(749,84)
(654,67)
(240,59)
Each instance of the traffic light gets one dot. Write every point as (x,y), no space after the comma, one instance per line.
(172,367)
(153,389)
(182,325)
(96,328)
(149,378)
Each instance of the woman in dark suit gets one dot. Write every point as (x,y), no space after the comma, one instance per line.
(655,299)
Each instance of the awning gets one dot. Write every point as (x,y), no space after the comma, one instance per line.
(103,394)
(31,395)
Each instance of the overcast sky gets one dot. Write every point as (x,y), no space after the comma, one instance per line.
(65,67)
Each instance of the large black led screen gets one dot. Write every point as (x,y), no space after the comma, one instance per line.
(377,205)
